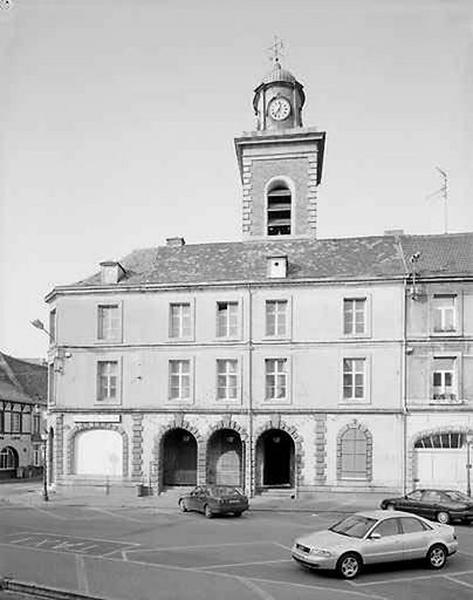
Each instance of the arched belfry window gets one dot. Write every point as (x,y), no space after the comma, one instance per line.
(279,207)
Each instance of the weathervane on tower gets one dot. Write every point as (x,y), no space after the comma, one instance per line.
(275,50)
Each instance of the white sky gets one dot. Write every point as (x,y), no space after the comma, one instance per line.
(117,120)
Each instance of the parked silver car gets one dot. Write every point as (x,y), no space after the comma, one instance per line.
(375,537)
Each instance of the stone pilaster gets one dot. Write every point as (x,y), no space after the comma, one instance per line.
(58,450)
(320,449)
(137,448)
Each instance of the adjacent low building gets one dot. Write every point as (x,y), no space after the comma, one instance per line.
(23,392)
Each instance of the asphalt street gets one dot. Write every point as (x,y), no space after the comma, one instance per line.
(159,553)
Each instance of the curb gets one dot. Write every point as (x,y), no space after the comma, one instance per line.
(40,591)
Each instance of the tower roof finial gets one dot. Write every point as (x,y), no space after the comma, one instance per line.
(275,50)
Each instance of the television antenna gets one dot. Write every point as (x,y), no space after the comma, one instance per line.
(442,192)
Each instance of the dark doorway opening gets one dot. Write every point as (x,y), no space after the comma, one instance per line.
(8,463)
(179,458)
(225,458)
(275,459)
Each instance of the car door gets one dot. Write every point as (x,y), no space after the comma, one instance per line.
(193,499)
(411,503)
(415,538)
(383,543)
(430,504)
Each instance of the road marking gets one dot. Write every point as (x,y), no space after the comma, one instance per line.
(198,547)
(112,514)
(452,578)
(282,546)
(256,588)
(413,578)
(244,564)
(77,537)
(21,540)
(81,574)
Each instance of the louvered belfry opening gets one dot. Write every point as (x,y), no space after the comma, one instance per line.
(279,210)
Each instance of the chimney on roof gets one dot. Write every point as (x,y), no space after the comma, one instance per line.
(394,232)
(111,271)
(175,242)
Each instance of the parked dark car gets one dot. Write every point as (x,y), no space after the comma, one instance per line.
(214,500)
(437,505)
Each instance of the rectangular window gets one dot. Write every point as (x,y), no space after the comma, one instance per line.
(36,424)
(443,380)
(108,326)
(354,378)
(227,379)
(179,379)
(276,317)
(15,422)
(37,457)
(354,316)
(180,320)
(276,378)
(107,380)
(443,308)
(227,319)
(52,326)
(51,384)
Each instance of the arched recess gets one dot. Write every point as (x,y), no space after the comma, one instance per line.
(157,465)
(225,463)
(279,194)
(288,451)
(84,427)
(179,458)
(8,462)
(355,452)
(446,457)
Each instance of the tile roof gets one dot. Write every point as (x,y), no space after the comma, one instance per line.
(444,254)
(22,381)
(338,258)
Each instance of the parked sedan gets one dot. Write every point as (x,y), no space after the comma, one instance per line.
(214,500)
(375,537)
(438,505)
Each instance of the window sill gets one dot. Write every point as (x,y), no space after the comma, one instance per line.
(353,401)
(356,336)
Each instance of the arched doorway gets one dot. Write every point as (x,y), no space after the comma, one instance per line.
(441,460)
(275,454)
(225,458)
(179,458)
(99,452)
(8,462)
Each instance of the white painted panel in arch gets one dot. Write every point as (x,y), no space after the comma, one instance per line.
(441,467)
(99,452)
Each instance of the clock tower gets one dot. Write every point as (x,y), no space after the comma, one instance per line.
(280,163)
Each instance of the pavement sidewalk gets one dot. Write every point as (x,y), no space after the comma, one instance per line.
(114,497)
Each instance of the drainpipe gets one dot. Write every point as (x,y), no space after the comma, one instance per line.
(404,381)
(249,484)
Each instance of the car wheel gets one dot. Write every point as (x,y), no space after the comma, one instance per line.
(443,517)
(437,557)
(349,565)
(237,514)
(183,506)
(208,511)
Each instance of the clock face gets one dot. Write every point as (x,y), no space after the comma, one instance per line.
(279,109)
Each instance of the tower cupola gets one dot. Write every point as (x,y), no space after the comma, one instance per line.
(280,162)
(278,100)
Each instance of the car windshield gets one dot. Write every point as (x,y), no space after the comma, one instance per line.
(353,526)
(223,490)
(457,496)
